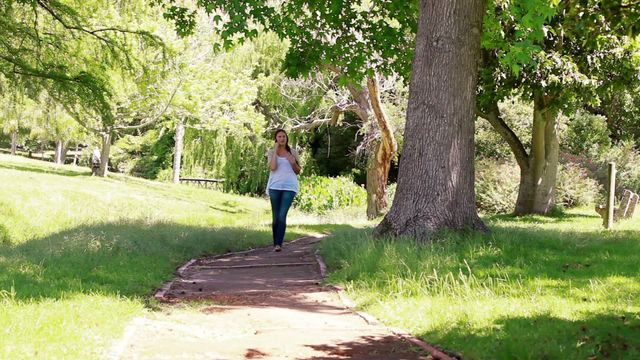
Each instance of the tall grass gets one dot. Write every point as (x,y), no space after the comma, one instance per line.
(535,288)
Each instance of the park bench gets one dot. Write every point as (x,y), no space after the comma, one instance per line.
(202,182)
(625,210)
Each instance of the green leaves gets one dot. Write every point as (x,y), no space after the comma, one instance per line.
(555,48)
(358,37)
(184,19)
(68,48)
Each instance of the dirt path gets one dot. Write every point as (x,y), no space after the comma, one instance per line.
(268,305)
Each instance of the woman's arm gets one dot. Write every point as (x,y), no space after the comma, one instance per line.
(273,160)
(296,167)
(295,163)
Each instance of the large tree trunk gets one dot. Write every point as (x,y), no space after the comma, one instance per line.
(14,142)
(60,153)
(75,155)
(65,149)
(177,156)
(104,154)
(436,176)
(538,180)
(381,155)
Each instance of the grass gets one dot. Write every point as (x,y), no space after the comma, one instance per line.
(535,288)
(80,256)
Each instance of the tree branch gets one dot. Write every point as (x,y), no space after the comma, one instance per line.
(67,26)
(155,118)
(495,119)
(314,124)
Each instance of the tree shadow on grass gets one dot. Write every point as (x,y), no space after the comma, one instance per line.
(601,336)
(48,170)
(131,259)
(370,348)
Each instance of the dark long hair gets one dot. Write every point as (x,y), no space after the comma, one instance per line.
(286,145)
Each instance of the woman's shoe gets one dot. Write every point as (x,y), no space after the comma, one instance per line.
(277,248)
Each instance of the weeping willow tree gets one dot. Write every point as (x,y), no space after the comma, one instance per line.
(225,137)
(219,154)
(226,141)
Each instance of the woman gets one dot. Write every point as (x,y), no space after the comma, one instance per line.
(284,165)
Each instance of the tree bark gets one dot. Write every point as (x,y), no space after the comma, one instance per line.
(14,142)
(104,153)
(61,152)
(177,156)
(536,194)
(382,151)
(381,155)
(75,155)
(436,175)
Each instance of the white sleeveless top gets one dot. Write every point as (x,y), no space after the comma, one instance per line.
(283,177)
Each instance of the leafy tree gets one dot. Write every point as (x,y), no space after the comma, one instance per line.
(15,114)
(619,104)
(363,38)
(221,133)
(358,41)
(53,123)
(140,90)
(555,55)
(64,47)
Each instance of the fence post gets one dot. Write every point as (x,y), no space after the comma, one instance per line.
(611,195)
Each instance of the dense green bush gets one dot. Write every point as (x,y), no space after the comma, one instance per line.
(319,194)
(585,134)
(145,156)
(574,187)
(595,163)
(496,186)
(627,160)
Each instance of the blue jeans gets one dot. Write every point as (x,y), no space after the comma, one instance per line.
(281,201)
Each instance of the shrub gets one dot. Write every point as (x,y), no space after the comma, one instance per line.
(586,133)
(627,160)
(496,186)
(319,194)
(143,156)
(574,186)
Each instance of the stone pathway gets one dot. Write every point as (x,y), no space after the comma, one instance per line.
(261,304)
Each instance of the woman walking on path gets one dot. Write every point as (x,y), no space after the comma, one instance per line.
(284,165)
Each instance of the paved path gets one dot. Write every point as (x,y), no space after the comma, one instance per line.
(261,305)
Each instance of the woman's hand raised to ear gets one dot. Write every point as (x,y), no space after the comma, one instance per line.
(291,158)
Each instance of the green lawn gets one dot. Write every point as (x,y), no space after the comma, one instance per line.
(535,288)
(80,256)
